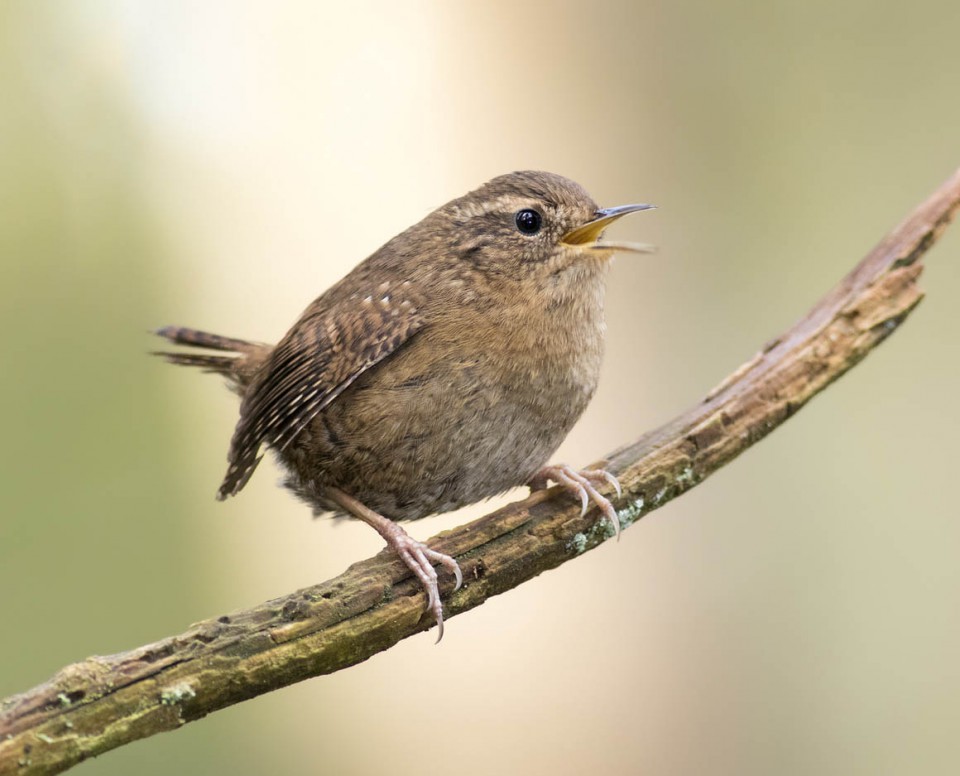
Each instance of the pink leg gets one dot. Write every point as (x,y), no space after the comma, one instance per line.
(581,484)
(418,557)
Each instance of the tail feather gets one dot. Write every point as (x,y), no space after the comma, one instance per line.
(238,364)
(202,339)
(219,364)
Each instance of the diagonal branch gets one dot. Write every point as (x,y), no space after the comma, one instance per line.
(104,702)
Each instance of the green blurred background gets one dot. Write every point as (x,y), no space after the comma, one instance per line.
(218,164)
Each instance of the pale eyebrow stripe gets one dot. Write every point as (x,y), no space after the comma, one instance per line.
(504,202)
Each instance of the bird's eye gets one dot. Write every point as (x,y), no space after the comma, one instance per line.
(529,221)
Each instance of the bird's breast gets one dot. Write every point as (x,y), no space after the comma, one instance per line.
(472,406)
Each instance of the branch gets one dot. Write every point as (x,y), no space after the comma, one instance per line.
(104,702)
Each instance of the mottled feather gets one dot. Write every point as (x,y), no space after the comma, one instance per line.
(329,348)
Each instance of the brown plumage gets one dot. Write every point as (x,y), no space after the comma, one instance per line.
(444,369)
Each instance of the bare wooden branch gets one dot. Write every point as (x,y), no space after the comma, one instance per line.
(104,702)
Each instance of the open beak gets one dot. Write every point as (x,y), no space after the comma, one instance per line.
(587,237)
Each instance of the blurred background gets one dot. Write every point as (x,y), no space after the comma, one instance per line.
(219,164)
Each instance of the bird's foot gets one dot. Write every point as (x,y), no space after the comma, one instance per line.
(583,485)
(419,558)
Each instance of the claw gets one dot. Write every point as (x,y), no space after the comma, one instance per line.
(457,575)
(613,481)
(584,499)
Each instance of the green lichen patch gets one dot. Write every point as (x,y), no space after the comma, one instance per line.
(577,544)
(177,694)
(631,513)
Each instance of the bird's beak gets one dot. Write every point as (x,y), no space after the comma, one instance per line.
(587,237)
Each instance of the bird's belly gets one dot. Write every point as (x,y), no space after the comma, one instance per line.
(410,443)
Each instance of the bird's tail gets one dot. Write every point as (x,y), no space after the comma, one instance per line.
(238,362)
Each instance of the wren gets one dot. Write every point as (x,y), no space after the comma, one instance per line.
(444,369)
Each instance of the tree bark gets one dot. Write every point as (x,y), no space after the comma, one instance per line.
(101,703)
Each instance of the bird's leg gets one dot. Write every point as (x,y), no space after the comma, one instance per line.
(583,485)
(417,556)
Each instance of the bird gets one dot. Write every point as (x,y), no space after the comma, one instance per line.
(444,369)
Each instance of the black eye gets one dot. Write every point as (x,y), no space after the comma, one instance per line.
(529,221)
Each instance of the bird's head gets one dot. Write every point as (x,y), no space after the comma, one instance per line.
(532,223)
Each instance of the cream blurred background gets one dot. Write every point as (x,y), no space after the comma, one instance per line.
(218,164)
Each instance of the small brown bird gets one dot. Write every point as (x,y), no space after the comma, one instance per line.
(444,369)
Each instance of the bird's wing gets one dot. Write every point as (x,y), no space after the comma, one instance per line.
(317,360)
